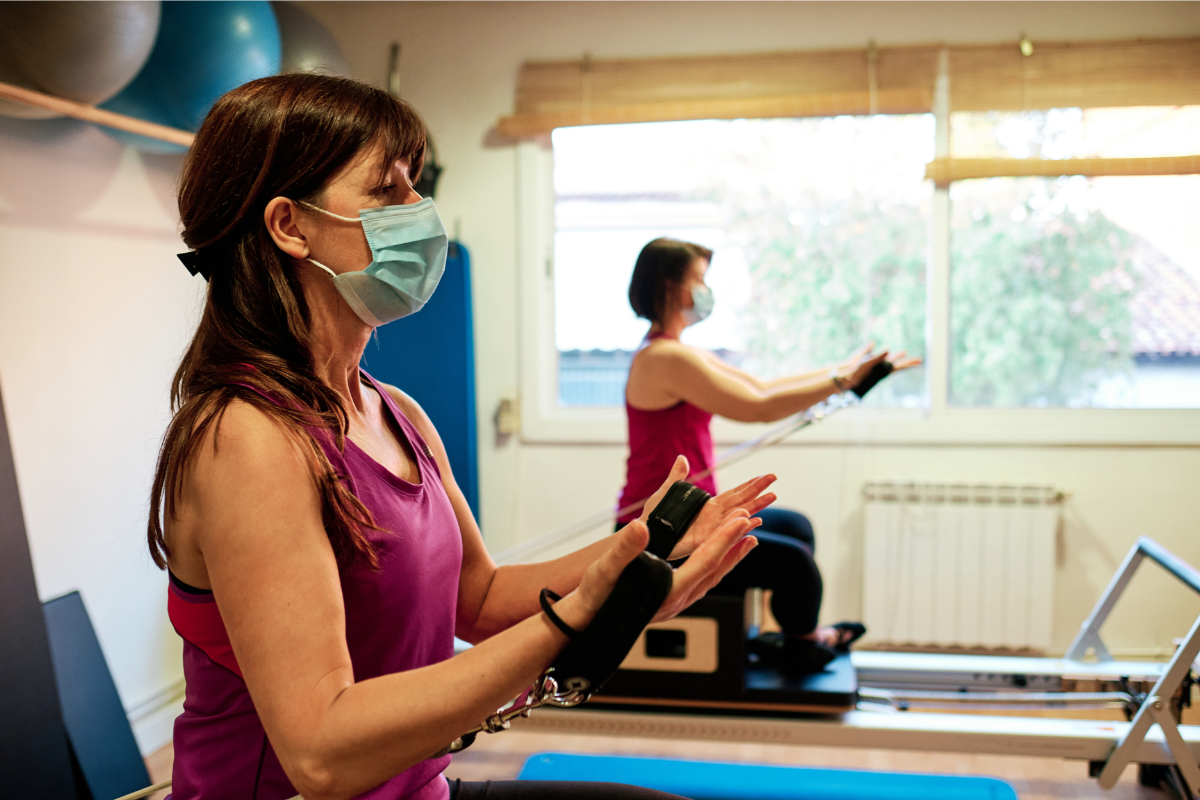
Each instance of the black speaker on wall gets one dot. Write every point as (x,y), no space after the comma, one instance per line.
(34,760)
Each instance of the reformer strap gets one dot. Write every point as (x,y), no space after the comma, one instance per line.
(671,518)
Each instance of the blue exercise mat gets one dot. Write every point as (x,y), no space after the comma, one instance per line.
(708,780)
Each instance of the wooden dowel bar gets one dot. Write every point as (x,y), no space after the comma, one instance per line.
(99,116)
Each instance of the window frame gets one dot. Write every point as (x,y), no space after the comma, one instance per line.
(939,424)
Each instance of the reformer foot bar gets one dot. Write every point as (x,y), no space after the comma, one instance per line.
(890,683)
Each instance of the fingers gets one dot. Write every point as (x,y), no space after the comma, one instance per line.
(862,351)
(745,493)
(759,503)
(710,563)
(732,558)
(630,540)
(599,579)
(679,472)
(707,558)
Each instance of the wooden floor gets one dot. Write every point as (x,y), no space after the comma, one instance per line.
(158,764)
(499,757)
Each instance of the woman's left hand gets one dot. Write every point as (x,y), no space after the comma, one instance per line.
(902,360)
(748,496)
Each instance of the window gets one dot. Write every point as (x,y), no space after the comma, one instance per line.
(1049,310)
(1072,291)
(819,229)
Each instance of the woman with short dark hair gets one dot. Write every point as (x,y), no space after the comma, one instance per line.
(671,396)
(321,556)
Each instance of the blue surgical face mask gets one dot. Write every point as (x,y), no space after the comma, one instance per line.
(408,256)
(702,304)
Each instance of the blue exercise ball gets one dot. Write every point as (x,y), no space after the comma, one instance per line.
(307,45)
(203,50)
(84,51)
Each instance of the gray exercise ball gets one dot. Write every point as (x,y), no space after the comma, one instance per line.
(85,51)
(307,45)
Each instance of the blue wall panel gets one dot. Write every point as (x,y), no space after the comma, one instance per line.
(431,357)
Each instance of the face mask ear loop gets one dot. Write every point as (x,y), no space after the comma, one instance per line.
(330,213)
(322,266)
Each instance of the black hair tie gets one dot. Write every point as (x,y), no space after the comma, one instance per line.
(545,599)
(196,264)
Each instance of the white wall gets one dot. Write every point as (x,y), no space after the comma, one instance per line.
(94,313)
(459,66)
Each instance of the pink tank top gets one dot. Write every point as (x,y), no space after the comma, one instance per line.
(397,619)
(655,439)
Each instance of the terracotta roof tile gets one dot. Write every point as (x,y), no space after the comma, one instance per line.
(1166,311)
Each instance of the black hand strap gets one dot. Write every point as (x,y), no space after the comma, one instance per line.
(595,653)
(545,599)
(877,373)
(671,518)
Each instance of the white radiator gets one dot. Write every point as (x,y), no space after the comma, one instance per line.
(959,565)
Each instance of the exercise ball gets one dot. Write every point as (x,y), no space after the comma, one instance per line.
(203,50)
(84,51)
(307,44)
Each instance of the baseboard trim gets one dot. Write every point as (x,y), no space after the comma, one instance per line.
(153,719)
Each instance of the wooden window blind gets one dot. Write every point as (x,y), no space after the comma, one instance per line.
(943,171)
(890,80)
(1140,72)
(801,84)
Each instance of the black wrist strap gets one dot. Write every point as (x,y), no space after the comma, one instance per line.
(673,515)
(545,599)
(877,373)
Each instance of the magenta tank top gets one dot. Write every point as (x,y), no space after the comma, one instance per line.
(397,619)
(655,439)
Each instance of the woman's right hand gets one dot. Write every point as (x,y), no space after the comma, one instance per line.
(858,373)
(704,569)
(861,361)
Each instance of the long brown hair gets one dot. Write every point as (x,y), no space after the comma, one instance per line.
(286,136)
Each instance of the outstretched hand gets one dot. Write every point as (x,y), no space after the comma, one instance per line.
(714,543)
(860,363)
(902,360)
(748,497)
(708,564)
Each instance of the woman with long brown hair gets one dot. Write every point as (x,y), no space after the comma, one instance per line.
(321,556)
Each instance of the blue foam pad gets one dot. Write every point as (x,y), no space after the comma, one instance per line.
(708,780)
(97,728)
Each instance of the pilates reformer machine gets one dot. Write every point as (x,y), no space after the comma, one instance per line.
(690,678)
(693,678)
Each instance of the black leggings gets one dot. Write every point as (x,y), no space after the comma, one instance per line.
(782,562)
(552,790)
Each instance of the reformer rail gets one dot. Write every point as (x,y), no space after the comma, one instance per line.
(1153,736)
